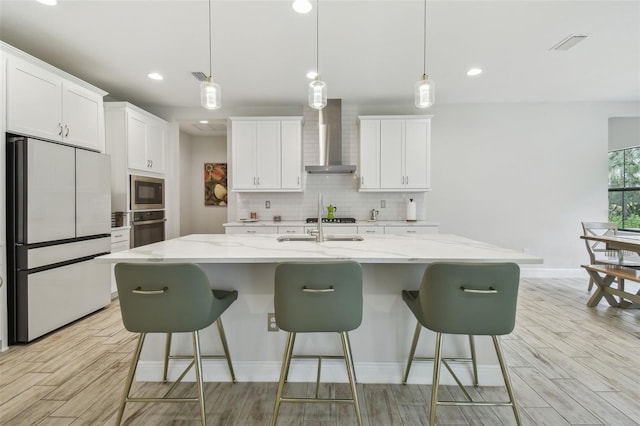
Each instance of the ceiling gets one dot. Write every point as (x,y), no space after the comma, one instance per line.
(370,51)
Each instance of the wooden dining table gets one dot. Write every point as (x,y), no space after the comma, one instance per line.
(604,275)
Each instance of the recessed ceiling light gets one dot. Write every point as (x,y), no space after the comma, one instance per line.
(474,71)
(204,121)
(311,75)
(48,2)
(301,6)
(155,76)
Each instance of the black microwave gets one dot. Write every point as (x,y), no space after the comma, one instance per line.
(147,193)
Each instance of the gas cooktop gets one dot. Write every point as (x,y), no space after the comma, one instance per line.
(334,220)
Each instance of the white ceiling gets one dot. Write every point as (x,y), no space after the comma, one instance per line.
(370,50)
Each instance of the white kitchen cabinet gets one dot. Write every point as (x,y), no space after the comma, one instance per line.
(146,141)
(411,230)
(136,141)
(266,154)
(291,158)
(369,154)
(395,153)
(251,230)
(290,230)
(42,103)
(369,230)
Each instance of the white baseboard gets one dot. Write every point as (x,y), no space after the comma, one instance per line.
(333,371)
(528,272)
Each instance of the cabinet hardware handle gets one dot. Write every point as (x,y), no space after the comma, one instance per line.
(66,128)
(289,231)
(361,180)
(1,281)
(370,231)
(411,232)
(258,179)
(118,236)
(139,290)
(407,180)
(60,127)
(298,180)
(250,231)
(317,290)
(490,290)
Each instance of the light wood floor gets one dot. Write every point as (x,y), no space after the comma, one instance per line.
(570,365)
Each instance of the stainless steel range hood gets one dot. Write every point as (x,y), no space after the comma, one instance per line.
(330,141)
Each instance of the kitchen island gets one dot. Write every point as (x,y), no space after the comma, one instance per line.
(390,264)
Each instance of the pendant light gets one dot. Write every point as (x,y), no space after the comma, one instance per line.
(210,92)
(317,88)
(424,89)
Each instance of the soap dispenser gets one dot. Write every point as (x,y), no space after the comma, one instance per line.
(411,211)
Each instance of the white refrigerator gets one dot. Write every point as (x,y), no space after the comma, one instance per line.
(58,220)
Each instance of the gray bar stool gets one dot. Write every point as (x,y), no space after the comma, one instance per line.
(465,298)
(169,298)
(317,298)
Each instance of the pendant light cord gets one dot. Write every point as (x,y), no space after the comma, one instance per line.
(210,50)
(424,40)
(318,38)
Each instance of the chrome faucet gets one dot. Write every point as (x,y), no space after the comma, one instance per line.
(318,232)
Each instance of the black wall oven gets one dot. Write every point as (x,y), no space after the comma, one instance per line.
(147,227)
(147,193)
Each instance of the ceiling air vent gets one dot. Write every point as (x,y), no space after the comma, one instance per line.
(569,42)
(200,76)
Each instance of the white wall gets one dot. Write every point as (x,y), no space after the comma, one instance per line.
(523,176)
(196,218)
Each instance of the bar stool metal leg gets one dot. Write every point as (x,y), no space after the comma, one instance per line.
(198,368)
(507,379)
(293,342)
(130,376)
(350,372)
(474,361)
(353,367)
(412,352)
(167,354)
(283,373)
(225,346)
(436,380)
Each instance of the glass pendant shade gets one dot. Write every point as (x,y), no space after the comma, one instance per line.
(425,92)
(301,6)
(317,94)
(210,95)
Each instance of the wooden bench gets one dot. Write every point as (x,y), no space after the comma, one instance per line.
(604,281)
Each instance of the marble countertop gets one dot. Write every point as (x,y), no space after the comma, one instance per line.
(357,223)
(264,248)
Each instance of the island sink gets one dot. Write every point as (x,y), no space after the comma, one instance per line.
(284,238)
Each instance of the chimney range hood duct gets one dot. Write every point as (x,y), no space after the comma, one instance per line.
(330,141)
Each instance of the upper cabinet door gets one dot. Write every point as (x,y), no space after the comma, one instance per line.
(417,154)
(291,158)
(136,141)
(34,101)
(392,152)
(51,191)
(268,154)
(156,143)
(369,154)
(243,154)
(83,117)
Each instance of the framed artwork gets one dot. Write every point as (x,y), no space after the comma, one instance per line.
(215,184)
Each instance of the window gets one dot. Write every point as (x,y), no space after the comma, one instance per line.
(624,188)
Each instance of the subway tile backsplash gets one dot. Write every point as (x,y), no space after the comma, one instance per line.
(338,190)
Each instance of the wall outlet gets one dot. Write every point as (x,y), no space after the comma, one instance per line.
(267,204)
(383,204)
(271,322)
